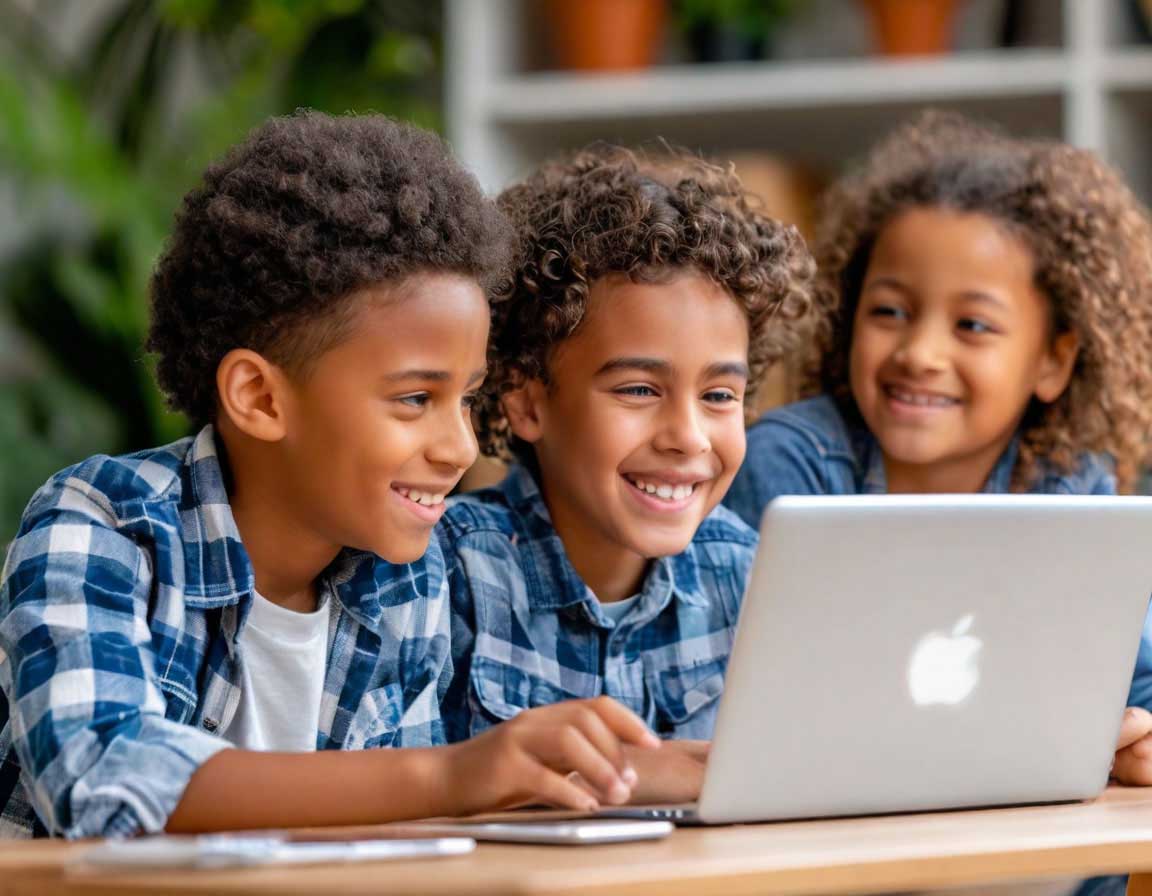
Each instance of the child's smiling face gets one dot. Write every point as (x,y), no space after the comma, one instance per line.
(640,429)
(379,430)
(951,341)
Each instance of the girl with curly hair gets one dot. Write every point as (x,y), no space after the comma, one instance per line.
(648,297)
(984,312)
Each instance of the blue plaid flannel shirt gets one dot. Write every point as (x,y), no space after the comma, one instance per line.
(527,631)
(122,605)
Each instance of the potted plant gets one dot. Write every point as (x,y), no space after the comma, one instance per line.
(731,30)
(912,27)
(600,35)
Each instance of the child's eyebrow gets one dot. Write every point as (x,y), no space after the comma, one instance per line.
(727,368)
(985,298)
(886,282)
(657,365)
(438,376)
(647,365)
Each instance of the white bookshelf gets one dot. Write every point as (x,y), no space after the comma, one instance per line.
(1087,81)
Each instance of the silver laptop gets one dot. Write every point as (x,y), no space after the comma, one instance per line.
(910,653)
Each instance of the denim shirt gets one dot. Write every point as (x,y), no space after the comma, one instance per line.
(122,610)
(808,448)
(527,631)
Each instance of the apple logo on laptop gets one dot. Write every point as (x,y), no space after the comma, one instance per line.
(944,667)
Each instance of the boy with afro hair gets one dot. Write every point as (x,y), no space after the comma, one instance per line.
(213,634)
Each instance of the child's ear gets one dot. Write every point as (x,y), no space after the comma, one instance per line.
(1056,368)
(250,390)
(524,408)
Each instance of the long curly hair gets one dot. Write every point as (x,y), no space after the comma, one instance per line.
(1091,242)
(609,210)
(268,251)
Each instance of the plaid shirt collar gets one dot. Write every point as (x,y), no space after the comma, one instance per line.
(553,584)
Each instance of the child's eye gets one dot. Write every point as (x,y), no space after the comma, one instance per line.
(470,400)
(416,400)
(974,325)
(721,396)
(887,311)
(638,390)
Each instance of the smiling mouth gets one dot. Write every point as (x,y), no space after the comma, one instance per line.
(424,499)
(663,491)
(920,399)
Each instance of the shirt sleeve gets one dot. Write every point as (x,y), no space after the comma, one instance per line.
(780,460)
(1140,693)
(87,715)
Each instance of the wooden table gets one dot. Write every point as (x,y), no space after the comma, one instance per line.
(865,855)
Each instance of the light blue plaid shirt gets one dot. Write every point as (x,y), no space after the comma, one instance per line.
(527,631)
(122,611)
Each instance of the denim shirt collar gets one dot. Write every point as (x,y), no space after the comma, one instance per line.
(875,480)
(219,573)
(553,583)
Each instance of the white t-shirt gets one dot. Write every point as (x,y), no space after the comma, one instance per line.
(618,609)
(283,657)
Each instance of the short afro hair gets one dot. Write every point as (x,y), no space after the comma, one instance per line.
(306,211)
(1091,242)
(609,210)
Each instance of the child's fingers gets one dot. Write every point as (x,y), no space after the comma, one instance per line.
(592,726)
(556,789)
(696,749)
(1137,724)
(1133,764)
(624,723)
(567,748)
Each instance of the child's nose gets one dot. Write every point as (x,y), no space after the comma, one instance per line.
(683,431)
(923,350)
(455,443)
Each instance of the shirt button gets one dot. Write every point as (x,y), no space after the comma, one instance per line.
(210,724)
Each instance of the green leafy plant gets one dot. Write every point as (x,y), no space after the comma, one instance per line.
(107,138)
(750,18)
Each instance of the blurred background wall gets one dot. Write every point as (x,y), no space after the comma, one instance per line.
(109,109)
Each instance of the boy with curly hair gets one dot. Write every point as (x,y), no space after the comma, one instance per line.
(648,300)
(320,315)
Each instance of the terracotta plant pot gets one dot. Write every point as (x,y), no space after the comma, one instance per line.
(605,35)
(912,27)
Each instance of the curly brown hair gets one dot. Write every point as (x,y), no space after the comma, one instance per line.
(609,210)
(267,252)
(1091,241)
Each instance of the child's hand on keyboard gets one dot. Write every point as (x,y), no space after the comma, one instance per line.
(1133,762)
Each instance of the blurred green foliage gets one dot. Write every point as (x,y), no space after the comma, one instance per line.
(99,141)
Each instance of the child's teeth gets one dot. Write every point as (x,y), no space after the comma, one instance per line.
(665,492)
(922,400)
(425,498)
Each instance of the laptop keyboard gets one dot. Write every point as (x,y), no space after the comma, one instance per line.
(659,813)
